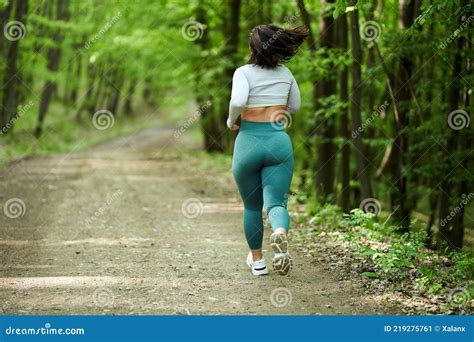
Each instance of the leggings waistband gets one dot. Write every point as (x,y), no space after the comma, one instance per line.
(253,126)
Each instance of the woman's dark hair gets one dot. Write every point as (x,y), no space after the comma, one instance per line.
(271,45)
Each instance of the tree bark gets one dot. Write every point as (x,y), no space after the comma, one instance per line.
(207,113)
(305,164)
(4,16)
(128,106)
(10,81)
(345,194)
(54,55)
(359,148)
(324,130)
(451,228)
(399,192)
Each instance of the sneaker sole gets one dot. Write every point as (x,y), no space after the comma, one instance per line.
(282,261)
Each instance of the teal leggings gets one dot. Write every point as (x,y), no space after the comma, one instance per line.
(263,167)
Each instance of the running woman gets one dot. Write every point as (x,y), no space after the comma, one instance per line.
(264,94)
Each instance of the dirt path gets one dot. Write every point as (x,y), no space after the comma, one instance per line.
(105,231)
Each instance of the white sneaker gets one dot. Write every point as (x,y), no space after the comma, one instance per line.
(282,262)
(258,267)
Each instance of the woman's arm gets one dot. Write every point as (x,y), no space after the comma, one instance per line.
(294,97)
(239,97)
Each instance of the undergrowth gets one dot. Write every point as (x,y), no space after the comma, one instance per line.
(396,257)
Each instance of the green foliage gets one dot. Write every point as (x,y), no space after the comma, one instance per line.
(396,257)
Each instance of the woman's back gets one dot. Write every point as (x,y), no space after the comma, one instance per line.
(267,87)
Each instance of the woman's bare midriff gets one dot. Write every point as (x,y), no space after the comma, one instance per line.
(263,114)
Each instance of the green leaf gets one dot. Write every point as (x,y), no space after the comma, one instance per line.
(371,274)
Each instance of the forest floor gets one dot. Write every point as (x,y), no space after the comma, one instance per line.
(140,225)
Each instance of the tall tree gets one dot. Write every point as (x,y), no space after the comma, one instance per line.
(54,55)
(324,129)
(345,194)
(399,190)
(4,16)
(10,79)
(308,131)
(451,230)
(356,102)
(203,95)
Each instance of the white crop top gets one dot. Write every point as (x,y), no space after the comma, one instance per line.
(254,86)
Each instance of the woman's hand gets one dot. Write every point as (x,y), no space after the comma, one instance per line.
(235,127)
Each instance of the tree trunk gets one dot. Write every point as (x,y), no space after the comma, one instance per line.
(87,100)
(207,112)
(128,107)
(451,228)
(113,104)
(359,148)
(4,16)
(220,138)
(72,98)
(54,55)
(345,195)
(305,164)
(399,192)
(324,130)
(10,81)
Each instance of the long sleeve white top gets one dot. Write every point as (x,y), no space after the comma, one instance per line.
(254,86)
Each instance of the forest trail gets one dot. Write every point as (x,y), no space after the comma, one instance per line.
(104,231)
